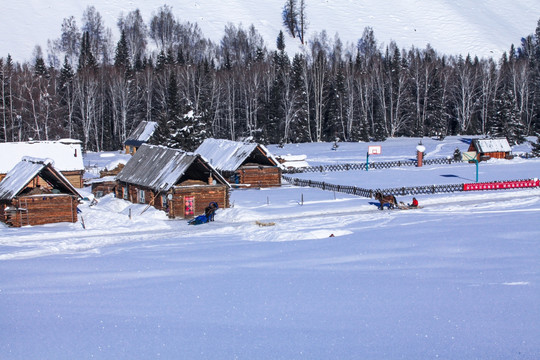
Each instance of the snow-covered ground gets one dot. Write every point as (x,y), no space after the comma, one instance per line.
(332,278)
(485,28)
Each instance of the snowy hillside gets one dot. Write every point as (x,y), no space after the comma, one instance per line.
(485,28)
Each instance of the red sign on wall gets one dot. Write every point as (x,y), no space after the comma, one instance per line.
(502,185)
(189,205)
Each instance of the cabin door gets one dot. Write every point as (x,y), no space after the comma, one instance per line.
(189,206)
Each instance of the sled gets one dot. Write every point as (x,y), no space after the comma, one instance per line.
(201,219)
(208,216)
(403,206)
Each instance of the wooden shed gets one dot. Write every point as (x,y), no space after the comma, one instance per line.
(242,163)
(65,153)
(491,148)
(181,183)
(142,133)
(102,186)
(35,193)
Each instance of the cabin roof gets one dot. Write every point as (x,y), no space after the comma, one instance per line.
(142,133)
(26,170)
(227,155)
(65,153)
(159,168)
(491,145)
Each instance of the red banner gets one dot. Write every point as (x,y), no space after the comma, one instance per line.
(502,185)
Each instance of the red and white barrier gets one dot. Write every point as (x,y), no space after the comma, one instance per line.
(504,185)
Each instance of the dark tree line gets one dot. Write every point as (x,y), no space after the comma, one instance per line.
(93,89)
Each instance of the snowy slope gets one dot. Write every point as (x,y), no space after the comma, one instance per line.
(485,28)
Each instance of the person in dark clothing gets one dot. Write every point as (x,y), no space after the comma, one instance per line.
(210,211)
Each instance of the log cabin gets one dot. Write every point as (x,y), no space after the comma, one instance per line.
(491,148)
(242,163)
(66,154)
(35,193)
(142,133)
(180,183)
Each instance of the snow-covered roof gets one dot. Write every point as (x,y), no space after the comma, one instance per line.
(142,133)
(227,155)
(26,170)
(66,154)
(492,145)
(160,168)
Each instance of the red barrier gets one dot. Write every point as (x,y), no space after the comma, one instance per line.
(502,185)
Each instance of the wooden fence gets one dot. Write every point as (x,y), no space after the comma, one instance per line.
(373,165)
(370,193)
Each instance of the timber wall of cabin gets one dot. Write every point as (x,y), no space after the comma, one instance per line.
(74,177)
(105,187)
(266,176)
(202,196)
(41,209)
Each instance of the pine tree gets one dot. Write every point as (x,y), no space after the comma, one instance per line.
(280,41)
(86,58)
(507,120)
(536,146)
(175,118)
(289,15)
(121,58)
(300,130)
(39,67)
(161,61)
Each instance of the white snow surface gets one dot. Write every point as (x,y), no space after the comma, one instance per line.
(329,276)
(66,154)
(485,28)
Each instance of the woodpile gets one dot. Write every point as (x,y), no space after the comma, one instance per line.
(112,172)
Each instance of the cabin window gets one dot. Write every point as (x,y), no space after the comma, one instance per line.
(99,194)
(164,202)
(141,196)
(125,192)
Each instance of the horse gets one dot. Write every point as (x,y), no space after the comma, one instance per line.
(386,199)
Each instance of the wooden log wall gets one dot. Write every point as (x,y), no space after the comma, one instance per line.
(74,177)
(105,187)
(42,209)
(203,195)
(260,176)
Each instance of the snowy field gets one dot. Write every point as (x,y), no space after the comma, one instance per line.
(332,278)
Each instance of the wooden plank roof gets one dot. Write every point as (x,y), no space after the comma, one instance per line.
(159,168)
(142,133)
(26,170)
(491,145)
(227,155)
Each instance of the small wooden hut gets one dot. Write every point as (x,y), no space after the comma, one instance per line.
(491,148)
(181,183)
(66,154)
(142,133)
(102,186)
(35,193)
(242,163)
